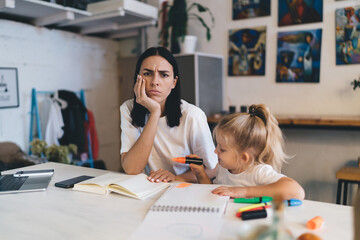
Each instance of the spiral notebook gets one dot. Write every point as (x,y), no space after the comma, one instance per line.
(184,211)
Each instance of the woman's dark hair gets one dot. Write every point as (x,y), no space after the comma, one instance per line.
(173,101)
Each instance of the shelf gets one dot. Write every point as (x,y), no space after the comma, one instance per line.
(38,13)
(115,19)
(331,122)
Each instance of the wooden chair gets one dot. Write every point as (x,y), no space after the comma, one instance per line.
(345,176)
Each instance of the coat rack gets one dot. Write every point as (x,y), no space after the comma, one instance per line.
(35,113)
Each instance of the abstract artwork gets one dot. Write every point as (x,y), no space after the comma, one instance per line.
(9,89)
(243,9)
(298,56)
(293,12)
(247,51)
(347,33)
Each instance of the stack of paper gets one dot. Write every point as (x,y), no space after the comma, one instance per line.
(185,211)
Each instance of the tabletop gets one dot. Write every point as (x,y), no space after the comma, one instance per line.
(59,213)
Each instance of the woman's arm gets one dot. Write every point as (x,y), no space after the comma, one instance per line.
(162,175)
(135,160)
(284,188)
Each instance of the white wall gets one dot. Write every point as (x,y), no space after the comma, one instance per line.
(49,60)
(318,153)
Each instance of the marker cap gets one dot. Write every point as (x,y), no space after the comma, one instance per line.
(254,214)
(315,223)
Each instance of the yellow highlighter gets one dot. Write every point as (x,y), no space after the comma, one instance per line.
(253,206)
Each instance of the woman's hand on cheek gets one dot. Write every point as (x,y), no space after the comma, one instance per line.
(161,175)
(234,192)
(142,98)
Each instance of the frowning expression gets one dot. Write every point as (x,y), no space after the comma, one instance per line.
(159,76)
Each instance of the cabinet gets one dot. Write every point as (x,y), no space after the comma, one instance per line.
(122,19)
(201,80)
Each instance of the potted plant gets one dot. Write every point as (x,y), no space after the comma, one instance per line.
(175,18)
(53,153)
(356,83)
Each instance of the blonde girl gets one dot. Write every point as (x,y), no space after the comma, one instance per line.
(250,154)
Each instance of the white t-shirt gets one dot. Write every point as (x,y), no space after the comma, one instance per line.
(261,174)
(192,136)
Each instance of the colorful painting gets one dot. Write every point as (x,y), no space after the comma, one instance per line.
(298,56)
(247,51)
(347,35)
(293,12)
(243,9)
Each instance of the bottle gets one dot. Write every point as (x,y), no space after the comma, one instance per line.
(277,229)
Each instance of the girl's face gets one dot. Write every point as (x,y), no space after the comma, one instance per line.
(159,76)
(228,156)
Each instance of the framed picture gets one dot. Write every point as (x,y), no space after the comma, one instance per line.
(243,9)
(298,56)
(247,50)
(347,35)
(293,12)
(9,89)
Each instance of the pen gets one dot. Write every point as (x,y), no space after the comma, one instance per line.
(253,200)
(188,160)
(238,214)
(293,202)
(243,209)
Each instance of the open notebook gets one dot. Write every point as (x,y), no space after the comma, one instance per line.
(184,211)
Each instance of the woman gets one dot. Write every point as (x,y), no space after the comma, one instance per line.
(157,125)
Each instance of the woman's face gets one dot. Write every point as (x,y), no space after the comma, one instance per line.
(159,76)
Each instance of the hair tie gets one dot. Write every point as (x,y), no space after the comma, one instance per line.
(252,111)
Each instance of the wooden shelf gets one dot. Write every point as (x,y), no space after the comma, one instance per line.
(311,121)
(118,21)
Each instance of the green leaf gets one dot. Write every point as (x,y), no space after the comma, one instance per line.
(208,31)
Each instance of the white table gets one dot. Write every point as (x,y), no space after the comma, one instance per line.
(66,214)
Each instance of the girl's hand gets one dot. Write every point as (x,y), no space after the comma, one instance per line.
(198,170)
(234,192)
(142,98)
(161,175)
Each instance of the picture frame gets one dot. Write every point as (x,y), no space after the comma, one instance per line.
(247,51)
(245,9)
(347,30)
(9,88)
(298,56)
(294,12)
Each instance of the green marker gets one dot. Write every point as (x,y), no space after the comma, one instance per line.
(253,200)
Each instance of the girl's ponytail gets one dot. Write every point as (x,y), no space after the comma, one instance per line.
(273,153)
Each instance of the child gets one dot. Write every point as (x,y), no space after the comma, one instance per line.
(250,153)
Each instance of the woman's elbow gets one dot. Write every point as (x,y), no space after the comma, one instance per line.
(129,168)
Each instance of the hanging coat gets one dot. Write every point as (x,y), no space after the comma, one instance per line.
(74,117)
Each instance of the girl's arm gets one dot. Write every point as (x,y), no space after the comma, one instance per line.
(284,188)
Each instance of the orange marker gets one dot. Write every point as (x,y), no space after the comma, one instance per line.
(315,223)
(188,160)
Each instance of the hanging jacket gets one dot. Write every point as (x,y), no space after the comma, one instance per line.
(90,127)
(74,117)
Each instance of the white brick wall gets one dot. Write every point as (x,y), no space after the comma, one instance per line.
(51,59)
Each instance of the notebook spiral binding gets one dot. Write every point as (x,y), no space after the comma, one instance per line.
(167,208)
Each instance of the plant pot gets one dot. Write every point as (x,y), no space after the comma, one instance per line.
(188,44)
